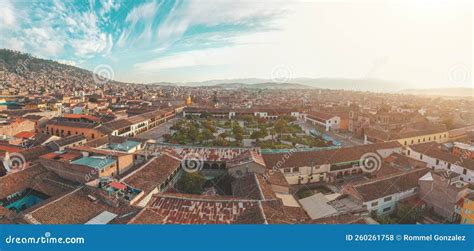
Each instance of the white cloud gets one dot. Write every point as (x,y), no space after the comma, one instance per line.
(141,13)
(108,5)
(43,41)
(212,13)
(46,29)
(68,62)
(15,44)
(7,14)
(184,59)
(332,40)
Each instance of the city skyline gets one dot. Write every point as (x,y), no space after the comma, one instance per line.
(168,41)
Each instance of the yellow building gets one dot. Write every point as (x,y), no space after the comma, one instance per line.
(467,210)
(188,101)
(439,137)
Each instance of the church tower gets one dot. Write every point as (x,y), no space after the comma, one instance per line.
(188,100)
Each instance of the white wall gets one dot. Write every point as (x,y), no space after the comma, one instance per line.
(381,205)
(443,165)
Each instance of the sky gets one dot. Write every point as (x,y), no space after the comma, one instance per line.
(426,43)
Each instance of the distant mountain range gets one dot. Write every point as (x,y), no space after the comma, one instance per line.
(454,92)
(268,85)
(374,85)
(11,61)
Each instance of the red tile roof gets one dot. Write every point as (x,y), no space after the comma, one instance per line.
(153,173)
(118,185)
(320,115)
(379,188)
(81,116)
(311,158)
(166,209)
(10,148)
(25,135)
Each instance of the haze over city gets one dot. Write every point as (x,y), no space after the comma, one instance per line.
(413,44)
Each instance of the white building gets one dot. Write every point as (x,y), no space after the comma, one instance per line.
(437,159)
(327,121)
(382,195)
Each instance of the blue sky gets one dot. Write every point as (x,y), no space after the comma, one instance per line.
(195,40)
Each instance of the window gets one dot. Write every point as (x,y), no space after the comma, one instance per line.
(408,152)
(387,209)
(449,165)
(434,137)
(421,156)
(93,136)
(374,204)
(419,140)
(412,141)
(437,162)
(387,199)
(464,171)
(405,142)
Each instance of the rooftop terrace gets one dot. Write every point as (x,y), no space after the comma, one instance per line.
(95,162)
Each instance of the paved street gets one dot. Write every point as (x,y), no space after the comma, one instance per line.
(345,139)
(158,132)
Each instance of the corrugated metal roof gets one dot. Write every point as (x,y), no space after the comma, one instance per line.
(97,163)
(101,219)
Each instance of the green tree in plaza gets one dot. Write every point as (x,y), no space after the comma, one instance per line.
(238,132)
(239,137)
(257,134)
(249,119)
(221,142)
(192,133)
(237,129)
(273,133)
(281,126)
(207,134)
(208,124)
(180,138)
(177,126)
(224,135)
